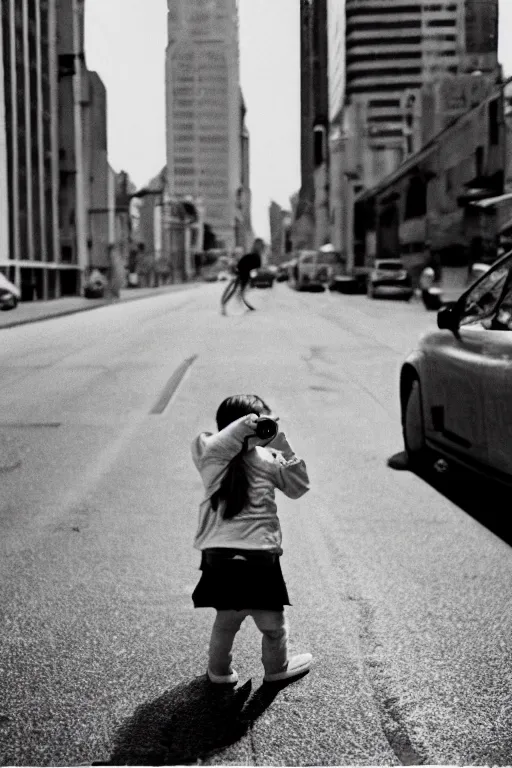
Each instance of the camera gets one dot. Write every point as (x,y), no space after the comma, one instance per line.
(267,428)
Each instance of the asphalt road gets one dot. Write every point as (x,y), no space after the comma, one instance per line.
(402,596)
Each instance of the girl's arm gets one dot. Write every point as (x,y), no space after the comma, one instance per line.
(290,472)
(225,444)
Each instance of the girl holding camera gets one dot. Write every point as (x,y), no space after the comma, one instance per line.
(239,534)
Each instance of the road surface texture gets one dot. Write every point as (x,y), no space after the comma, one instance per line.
(402,596)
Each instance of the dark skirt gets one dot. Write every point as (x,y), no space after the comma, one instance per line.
(230,583)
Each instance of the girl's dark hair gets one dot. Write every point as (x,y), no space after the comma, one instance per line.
(234,487)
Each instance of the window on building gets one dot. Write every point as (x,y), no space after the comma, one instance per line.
(380,41)
(319,148)
(442,23)
(494,129)
(360,26)
(449,179)
(416,199)
(384,103)
(384,9)
(479,161)
(386,72)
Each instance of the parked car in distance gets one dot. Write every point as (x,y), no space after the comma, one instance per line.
(282,273)
(9,294)
(316,270)
(389,277)
(262,278)
(455,387)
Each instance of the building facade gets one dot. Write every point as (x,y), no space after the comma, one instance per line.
(96,174)
(72,104)
(304,215)
(30,255)
(280,234)
(411,68)
(424,209)
(243,234)
(393,49)
(202,87)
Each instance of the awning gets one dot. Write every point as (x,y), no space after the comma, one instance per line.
(505,227)
(490,201)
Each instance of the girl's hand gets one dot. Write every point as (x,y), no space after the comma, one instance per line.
(280,443)
(251,420)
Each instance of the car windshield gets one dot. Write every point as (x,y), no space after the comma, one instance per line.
(329,258)
(390,265)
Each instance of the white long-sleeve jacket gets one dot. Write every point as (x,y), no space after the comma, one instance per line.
(257,525)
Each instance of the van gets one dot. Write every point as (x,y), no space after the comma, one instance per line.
(316,270)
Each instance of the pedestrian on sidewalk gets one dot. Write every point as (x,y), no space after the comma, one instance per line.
(239,284)
(240,537)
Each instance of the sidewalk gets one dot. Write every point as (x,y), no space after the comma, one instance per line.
(34,311)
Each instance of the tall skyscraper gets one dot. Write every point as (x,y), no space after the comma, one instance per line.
(202,86)
(29,85)
(394,48)
(312,208)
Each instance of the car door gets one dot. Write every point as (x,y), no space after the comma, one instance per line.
(497,383)
(457,369)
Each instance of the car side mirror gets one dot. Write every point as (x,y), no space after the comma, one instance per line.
(448,317)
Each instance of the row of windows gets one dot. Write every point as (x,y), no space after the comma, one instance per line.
(441,23)
(385,9)
(380,41)
(385,119)
(381,87)
(377,26)
(439,7)
(353,58)
(386,72)
(448,38)
(384,103)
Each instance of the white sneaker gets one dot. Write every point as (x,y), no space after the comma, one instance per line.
(297,665)
(223,679)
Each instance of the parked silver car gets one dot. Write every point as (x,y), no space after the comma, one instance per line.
(389,277)
(9,294)
(456,387)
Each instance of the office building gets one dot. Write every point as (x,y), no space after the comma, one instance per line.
(96,173)
(313,206)
(243,207)
(202,87)
(72,105)
(29,148)
(393,49)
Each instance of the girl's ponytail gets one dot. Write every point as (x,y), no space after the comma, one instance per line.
(234,488)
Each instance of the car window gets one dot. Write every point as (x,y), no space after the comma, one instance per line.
(329,258)
(307,259)
(481,303)
(390,265)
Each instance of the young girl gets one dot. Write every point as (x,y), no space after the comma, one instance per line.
(240,537)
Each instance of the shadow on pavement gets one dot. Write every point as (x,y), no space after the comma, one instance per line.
(480,498)
(188,723)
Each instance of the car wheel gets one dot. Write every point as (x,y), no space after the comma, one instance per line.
(413,426)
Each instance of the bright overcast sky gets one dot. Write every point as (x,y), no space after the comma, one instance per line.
(125,44)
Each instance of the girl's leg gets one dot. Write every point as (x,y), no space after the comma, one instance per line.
(274,644)
(225,627)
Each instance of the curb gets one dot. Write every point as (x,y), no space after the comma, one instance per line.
(87,308)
